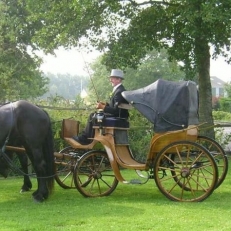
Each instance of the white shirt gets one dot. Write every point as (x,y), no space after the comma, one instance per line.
(114,88)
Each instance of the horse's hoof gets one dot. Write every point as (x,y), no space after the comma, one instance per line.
(38,199)
(25,189)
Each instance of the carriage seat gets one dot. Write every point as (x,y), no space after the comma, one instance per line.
(115,122)
(70,128)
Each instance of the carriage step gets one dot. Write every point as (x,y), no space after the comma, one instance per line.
(135,181)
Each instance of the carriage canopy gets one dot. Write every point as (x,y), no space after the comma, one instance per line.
(168,105)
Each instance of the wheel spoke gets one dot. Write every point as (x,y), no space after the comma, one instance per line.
(219,155)
(93,175)
(65,166)
(190,171)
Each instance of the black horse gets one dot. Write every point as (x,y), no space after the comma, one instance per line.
(24,124)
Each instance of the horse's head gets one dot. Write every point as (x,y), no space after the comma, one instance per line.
(4,167)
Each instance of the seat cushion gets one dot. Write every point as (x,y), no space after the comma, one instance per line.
(113,122)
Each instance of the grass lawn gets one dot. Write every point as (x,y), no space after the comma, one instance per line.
(129,207)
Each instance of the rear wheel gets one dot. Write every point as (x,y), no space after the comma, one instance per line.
(185,171)
(93,175)
(219,155)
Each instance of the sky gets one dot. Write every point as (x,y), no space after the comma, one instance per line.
(74,62)
(71,61)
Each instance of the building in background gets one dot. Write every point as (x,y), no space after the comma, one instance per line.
(218,86)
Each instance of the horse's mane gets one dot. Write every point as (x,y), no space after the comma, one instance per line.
(2,104)
(5,103)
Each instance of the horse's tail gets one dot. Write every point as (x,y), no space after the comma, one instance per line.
(48,150)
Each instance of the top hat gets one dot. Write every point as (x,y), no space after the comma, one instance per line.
(117,73)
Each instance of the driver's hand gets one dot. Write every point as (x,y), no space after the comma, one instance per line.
(100,105)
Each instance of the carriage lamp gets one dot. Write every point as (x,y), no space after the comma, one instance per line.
(99,118)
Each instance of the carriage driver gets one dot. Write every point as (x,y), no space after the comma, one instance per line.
(110,109)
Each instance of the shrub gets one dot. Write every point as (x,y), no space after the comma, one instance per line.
(221,116)
(225,104)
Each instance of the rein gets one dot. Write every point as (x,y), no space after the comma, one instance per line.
(13,166)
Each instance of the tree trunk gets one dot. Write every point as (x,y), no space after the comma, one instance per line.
(205,93)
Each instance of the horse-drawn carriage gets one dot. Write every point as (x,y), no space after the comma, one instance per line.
(184,165)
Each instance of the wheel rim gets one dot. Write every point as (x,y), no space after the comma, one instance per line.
(93,175)
(219,155)
(185,171)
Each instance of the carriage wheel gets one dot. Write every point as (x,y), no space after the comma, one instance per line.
(185,171)
(93,175)
(65,167)
(219,155)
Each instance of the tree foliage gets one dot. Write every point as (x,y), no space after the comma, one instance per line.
(227,88)
(131,28)
(19,73)
(128,30)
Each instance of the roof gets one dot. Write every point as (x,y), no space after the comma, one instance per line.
(216,82)
(168,105)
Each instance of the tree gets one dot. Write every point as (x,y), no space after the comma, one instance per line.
(227,89)
(19,73)
(225,102)
(128,30)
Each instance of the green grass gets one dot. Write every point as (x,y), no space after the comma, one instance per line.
(129,207)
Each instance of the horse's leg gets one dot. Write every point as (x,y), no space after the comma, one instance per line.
(4,165)
(27,185)
(39,165)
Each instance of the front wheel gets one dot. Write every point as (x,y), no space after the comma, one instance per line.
(64,166)
(93,175)
(185,171)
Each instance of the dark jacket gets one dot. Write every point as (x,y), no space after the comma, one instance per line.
(116,99)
